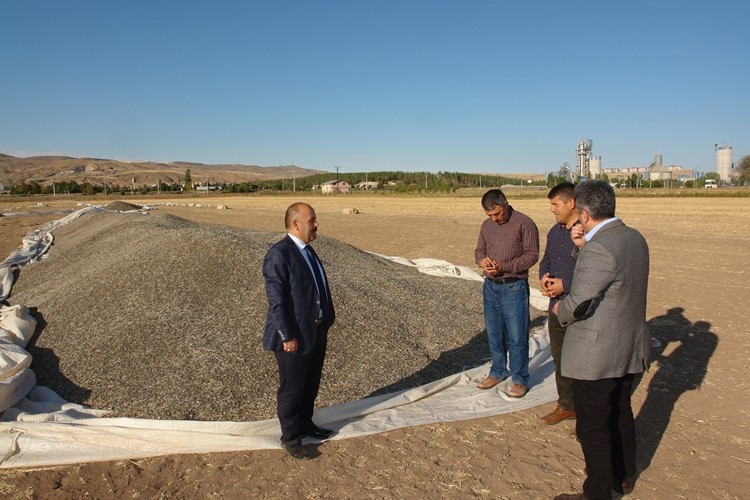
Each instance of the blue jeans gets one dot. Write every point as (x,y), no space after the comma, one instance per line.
(506,317)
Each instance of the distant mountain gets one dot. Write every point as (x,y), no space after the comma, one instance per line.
(97,171)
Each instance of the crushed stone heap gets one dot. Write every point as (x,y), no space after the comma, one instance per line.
(154,316)
(121,206)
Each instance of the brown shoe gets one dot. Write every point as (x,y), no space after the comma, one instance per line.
(627,486)
(570,496)
(488,382)
(517,391)
(557,416)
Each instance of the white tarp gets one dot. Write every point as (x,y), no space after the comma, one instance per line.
(437,267)
(43,429)
(16,379)
(70,433)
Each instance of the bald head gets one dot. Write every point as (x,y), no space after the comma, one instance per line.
(301,221)
(293,212)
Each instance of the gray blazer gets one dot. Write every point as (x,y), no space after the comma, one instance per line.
(605,311)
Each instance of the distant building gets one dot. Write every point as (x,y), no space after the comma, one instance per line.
(658,172)
(724,161)
(622,173)
(336,186)
(654,171)
(366,186)
(681,174)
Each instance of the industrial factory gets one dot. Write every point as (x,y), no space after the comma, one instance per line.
(589,166)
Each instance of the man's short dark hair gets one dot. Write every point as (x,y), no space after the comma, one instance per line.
(596,197)
(493,198)
(564,190)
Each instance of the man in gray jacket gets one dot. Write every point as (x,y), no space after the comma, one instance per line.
(606,342)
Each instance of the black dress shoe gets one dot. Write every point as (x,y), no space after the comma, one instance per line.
(319,433)
(297,450)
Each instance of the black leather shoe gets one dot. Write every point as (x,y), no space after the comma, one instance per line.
(319,433)
(297,450)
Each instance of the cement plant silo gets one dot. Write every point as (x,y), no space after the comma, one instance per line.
(724,161)
(583,158)
(595,166)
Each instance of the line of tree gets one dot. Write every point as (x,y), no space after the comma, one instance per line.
(73,187)
(396,181)
(401,181)
(743,168)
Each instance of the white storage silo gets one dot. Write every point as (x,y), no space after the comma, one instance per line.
(595,165)
(724,161)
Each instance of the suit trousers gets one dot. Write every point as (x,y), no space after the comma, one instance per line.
(299,381)
(606,430)
(565,397)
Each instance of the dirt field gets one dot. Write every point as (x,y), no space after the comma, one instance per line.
(691,407)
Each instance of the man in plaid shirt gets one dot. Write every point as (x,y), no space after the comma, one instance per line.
(507,247)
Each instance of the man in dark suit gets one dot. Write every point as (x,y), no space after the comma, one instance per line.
(300,312)
(606,341)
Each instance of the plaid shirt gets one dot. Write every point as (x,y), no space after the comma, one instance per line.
(514,244)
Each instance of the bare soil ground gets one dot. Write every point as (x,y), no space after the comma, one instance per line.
(691,407)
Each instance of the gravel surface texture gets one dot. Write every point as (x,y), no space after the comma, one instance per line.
(154,316)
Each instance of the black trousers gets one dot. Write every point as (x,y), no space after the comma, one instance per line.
(565,398)
(606,430)
(299,381)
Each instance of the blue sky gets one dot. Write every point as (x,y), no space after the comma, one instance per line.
(474,86)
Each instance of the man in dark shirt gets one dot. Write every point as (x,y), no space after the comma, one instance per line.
(556,276)
(507,247)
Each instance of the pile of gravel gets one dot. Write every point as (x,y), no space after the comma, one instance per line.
(121,206)
(153,316)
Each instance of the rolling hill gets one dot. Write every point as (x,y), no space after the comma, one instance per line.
(46,170)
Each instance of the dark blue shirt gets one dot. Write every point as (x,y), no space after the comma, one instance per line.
(558,259)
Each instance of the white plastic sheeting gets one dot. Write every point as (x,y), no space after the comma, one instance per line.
(39,428)
(70,433)
(16,379)
(437,267)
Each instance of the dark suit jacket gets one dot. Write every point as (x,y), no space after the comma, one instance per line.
(605,311)
(293,302)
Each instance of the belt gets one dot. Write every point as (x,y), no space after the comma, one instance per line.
(503,281)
